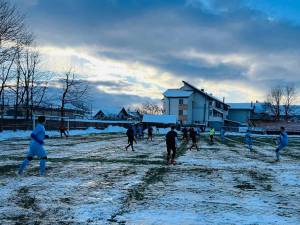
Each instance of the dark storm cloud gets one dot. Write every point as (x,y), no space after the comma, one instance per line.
(157,32)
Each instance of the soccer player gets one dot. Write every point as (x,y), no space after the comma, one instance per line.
(211,135)
(36,147)
(131,139)
(185,135)
(283,142)
(150,133)
(248,140)
(62,130)
(194,138)
(171,145)
(222,133)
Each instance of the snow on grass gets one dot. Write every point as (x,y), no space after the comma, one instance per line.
(91,179)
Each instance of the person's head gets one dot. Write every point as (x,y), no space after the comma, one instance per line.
(282,129)
(172,127)
(41,119)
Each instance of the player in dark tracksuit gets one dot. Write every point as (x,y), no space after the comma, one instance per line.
(194,139)
(185,136)
(171,145)
(150,133)
(131,139)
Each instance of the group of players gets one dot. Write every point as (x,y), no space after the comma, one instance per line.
(38,135)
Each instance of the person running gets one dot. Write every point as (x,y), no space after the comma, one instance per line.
(62,129)
(194,139)
(222,133)
(185,136)
(283,142)
(36,147)
(171,145)
(248,140)
(211,135)
(131,139)
(150,133)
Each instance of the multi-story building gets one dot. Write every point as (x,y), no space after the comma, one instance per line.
(194,106)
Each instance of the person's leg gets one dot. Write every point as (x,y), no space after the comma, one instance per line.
(168,153)
(131,143)
(24,164)
(173,153)
(43,157)
(43,166)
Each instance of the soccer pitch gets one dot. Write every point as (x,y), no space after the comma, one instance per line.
(92,180)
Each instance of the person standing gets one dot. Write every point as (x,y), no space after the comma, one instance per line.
(222,133)
(150,133)
(282,142)
(185,135)
(36,147)
(211,135)
(193,135)
(248,140)
(171,145)
(131,139)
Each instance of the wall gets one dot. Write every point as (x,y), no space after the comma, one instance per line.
(239,115)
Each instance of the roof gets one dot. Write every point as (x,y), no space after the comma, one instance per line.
(177,93)
(111,111)
(247,105)
(204,93)
(164,119)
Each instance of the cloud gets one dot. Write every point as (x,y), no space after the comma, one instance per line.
(153,45)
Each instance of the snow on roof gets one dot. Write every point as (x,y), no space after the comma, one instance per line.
(164,119)
(177,93)
(241,105)
(109,111)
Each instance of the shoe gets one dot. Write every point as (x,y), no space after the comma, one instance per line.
(173,162)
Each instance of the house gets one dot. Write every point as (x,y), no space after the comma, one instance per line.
(159,120)
(111,114)
(134,115)
(193,106)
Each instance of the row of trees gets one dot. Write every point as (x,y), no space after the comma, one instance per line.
(21,81)
(281,95)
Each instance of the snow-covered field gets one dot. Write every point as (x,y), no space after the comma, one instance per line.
(91,179)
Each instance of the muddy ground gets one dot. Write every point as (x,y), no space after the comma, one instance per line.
(93,180)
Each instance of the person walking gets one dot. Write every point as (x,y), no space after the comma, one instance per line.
(171,145)
(131,139)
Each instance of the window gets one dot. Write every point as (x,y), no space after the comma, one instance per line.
(180,112)
(180,101)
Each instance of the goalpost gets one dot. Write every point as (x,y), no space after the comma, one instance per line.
(65,119)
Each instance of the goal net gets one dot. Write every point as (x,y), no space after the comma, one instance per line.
(53,122)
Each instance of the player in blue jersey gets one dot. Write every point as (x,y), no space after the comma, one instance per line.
(36,147)
(282,142)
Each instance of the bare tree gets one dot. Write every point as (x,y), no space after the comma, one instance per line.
(289,93)
(73,91)
(274,101)
(149,108)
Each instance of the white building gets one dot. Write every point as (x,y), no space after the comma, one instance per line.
(194,106)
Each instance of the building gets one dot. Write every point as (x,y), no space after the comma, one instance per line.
(241,112)
(111,114)
(193,106)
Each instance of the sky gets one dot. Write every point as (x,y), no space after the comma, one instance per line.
(131,51)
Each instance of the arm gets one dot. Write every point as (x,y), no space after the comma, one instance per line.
(34,137)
